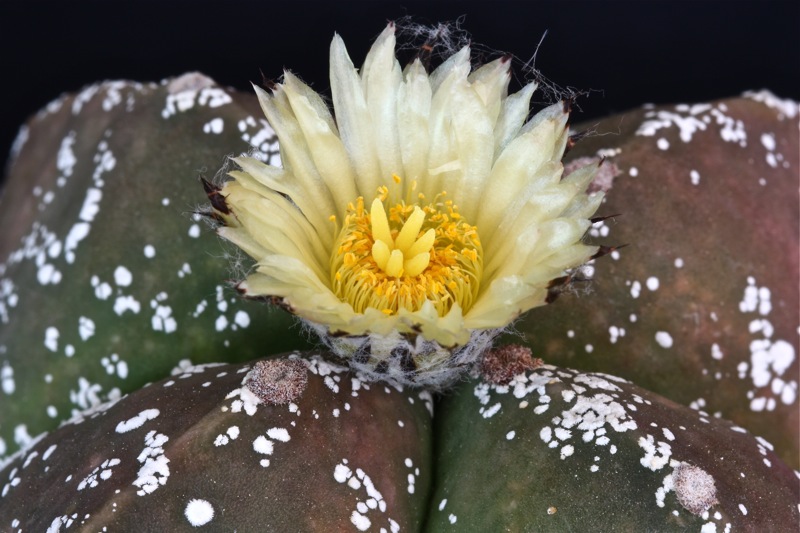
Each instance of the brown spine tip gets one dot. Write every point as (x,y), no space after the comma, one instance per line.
(605,250)
(595,220)
(267,83)
(214,196)
(555,287)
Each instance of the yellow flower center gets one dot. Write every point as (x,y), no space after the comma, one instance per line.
(397,258)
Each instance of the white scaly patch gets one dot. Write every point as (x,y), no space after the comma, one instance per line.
(368,504)
(154,471)
(769,358)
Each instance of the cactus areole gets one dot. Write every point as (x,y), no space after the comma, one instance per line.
(416,220)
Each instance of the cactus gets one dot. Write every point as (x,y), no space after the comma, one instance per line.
(302,444)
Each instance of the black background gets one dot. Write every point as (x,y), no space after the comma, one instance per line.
(626,52)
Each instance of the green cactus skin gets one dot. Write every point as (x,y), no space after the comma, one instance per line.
(346,456)
(560,450)
(703,305)
(84,320)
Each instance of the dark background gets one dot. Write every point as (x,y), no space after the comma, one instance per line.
(626,52)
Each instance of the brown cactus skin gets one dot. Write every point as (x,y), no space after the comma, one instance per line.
(342,442)
(705,244)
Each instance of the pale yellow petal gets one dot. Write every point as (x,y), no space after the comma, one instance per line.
(295,156)
(443,156)
(275,232)
(287,211)
(514,172)
(413,110)
(353,119)
(327,150)
(490,83)
(381,78)
(473,146)
(503,301)
(240,237)
(456,66)
(513,113)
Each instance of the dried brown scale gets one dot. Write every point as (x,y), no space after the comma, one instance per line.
(500,365)
(278,381)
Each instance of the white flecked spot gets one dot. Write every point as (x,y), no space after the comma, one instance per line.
(126,303)
(510,435)
(636,289)
(278,434)
(664,339)
(7,379)
(194,231)
(76,234)
(199,512)
(652,283)
(263,445)
(242,319)
(103,291)
(341,473)
(85,327)
(214,126)
(662,144)
(123,276)
(51,338)
(137,421)
(716,351)
(361,522)
(768,140)
(149,251)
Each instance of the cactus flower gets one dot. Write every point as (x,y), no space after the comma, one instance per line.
(417,220)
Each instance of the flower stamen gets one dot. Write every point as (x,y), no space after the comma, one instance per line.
(403,256)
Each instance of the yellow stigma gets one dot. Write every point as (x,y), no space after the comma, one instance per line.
(397,258)
(406,255)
